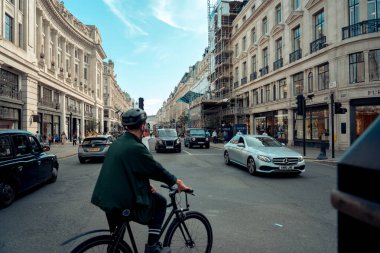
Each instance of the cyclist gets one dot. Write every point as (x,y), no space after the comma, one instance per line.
(123,182)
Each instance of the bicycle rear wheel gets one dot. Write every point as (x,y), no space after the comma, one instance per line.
(192,234)
(101,243)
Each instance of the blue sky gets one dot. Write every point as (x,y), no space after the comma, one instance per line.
(152,42)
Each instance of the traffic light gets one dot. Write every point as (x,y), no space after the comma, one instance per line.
(339,109)
(300,104)
(141,103)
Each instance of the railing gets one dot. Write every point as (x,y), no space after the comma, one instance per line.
(296,55)
(364,27)
(264,71)
(318,44)
(73,109)
(9,92)
(88,114)
(277,64)
(253,76)
(243,80)
(48,103)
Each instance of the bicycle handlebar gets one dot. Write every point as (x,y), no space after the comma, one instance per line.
(174,190)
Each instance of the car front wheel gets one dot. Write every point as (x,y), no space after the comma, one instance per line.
(54,175)
(7,194)
(226,158)
(251,166)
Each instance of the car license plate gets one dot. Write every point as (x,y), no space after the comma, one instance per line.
(286,167)
(200,142)
(169,147)
(93,149)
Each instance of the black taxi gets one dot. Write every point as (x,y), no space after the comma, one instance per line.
(23,164)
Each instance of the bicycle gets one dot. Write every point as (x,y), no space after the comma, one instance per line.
(188,231)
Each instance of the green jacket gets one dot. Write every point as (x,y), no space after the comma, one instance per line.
(123,182)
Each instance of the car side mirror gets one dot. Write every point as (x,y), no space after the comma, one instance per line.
(45,148)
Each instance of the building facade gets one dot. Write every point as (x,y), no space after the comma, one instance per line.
(51,68)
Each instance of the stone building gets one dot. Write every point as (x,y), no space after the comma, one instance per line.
(51,70)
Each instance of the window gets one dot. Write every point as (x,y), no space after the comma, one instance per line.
(298,84)
(8,28)
(236,77)
(374,65)
(5,148)
(76,54)
(356,62)
(76,70)
(236,50)
(261,95)
(283,89)
(21,145)
(20,36)
(278,14)
(255,97)
(267,93)
(265,57)
(274,91)
(279,49)
(265,26)
(373,9)
(85,73)
(244,19)
(319,21)
(296,4)
(353,6)
(244,44)
(244,69)
(323,76)
(86,58)
(253,35)
(253,61)
(297,38)
(310,82)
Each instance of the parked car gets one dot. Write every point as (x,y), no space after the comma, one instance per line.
(93,147)
(197,137)
(264,154)
(167,140)
(23,164)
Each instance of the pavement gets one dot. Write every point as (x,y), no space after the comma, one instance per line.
(68,149)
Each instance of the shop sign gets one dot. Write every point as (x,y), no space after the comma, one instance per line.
(374,92)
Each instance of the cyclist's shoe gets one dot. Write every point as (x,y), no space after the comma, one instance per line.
(156,248)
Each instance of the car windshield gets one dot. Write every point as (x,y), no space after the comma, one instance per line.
(197,132)
(262,142)
(167,133)
(94,141)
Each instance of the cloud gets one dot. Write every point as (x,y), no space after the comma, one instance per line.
(187,15)
(117,10)
(151,105)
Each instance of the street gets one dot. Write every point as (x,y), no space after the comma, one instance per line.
(247,213)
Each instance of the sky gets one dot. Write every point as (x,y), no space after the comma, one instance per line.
(152,42)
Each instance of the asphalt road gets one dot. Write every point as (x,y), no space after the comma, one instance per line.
(247,213)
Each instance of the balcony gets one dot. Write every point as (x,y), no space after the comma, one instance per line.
(318,44)
(264,71)
(364,27)
(243,80)
(73,109)
(277,64)
(88,114)
(296,55)
(10,92)
(253,76)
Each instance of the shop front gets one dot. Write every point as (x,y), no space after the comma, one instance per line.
(273,123)
(10,118)
(363,113)
(49,125)
(317,126)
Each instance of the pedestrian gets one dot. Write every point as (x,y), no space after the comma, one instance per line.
(63,138)
(75,139)
(38,136)
(215,136)
(50,139)
(129,166)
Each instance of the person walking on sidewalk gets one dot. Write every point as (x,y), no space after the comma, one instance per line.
(63,138)
(123,182)
(75,139)
(50,139)
(215,137)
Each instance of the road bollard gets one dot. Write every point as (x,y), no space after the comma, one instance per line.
(322,154)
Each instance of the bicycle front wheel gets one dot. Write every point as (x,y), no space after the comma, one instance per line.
(101,243)
(193,233)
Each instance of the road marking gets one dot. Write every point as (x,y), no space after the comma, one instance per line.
(187,152)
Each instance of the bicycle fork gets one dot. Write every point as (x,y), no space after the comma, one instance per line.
(189,242)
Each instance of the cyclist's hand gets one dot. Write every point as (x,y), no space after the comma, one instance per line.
(182,186)
(153,189)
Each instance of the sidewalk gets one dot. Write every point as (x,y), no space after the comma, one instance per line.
(62,151)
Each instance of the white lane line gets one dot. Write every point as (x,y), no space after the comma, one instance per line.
(187,152)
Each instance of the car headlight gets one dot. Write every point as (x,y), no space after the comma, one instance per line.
(160,142)
(206,139)
(178,141)
(193,139)
(264,158)
(300,159)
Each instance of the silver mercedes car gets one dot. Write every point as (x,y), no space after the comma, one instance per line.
(260,153)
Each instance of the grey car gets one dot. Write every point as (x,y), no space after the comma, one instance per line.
(93,147)
(263,154)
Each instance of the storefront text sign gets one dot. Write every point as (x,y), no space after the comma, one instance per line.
(374,92)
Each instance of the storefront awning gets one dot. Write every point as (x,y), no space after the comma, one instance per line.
(189,97)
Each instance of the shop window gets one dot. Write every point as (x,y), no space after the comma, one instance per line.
(317,123)
(323,76)
(365,115)
(356,62)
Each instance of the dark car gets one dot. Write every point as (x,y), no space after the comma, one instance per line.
(94,147)
(23,164)
(167,140)
(197,137)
